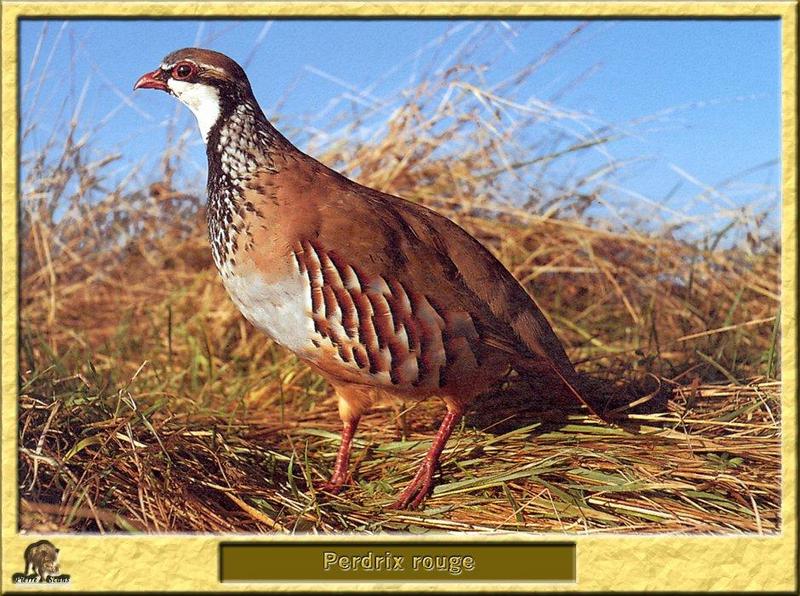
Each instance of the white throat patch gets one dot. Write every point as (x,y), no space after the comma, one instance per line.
(203,100)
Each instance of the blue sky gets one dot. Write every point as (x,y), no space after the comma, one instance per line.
(709,91)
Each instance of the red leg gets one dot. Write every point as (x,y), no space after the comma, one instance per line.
(419,488)
(339,477)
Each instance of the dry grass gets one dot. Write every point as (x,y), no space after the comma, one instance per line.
(148,404)
(708,464)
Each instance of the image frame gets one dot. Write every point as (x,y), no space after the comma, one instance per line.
(185,562)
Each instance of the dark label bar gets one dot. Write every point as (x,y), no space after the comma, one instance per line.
(392,561)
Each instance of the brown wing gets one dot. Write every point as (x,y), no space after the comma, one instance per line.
(519,326)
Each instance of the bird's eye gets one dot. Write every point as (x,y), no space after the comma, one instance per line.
(182,71)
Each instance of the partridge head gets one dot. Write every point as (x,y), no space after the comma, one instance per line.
(377,294)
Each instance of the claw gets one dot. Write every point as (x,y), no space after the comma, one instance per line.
(418,489)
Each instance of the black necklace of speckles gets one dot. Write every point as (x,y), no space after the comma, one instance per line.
(239,144)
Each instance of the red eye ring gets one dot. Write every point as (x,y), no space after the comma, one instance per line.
(183,70)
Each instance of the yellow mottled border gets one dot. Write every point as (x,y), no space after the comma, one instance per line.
(631,563)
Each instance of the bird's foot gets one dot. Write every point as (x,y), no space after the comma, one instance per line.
(330,487)
(418,490)
(334,486)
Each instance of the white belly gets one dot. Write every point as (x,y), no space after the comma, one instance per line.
(280,309)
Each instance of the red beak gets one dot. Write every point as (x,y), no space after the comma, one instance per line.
(152,80)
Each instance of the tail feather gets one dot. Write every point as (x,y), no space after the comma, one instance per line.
(561,378)
(570,386)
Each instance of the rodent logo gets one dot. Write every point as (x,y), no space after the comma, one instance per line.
(41,565)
